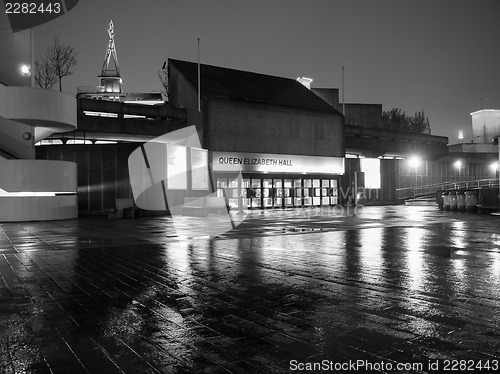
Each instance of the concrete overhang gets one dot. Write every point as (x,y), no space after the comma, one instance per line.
(373,142)
(39,107)
(473,148)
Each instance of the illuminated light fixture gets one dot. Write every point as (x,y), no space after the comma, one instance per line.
(414,162)
(458,164)
(4,193)
(145,102)
(305,82)
(133,116)
(494,166)
(100,114)
(460,135)
(25,70)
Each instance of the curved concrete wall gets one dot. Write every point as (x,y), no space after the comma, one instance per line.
(33,190)
(39,181)
(33,112)
(16,209)
(39,107)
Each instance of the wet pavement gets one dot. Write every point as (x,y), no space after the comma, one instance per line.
(286,291)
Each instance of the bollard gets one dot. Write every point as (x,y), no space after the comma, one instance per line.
(446,200)
(460,201)
(439,199)
(453,200)
(471,200)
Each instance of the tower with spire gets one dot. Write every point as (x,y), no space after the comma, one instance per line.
(110,80)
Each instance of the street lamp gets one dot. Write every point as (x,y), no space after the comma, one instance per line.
(458,166)
(25,70)
(415,162)
(494,166)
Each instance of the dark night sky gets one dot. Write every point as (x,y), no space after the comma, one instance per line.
(441,56)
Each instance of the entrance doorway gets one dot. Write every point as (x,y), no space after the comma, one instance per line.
(263,192)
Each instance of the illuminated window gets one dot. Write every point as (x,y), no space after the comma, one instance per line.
(199,169)
(176,167)
(371,168)
(78,141)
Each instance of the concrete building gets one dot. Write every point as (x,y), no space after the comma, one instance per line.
(288,142)
(485,126)
(34,189)
(293,145)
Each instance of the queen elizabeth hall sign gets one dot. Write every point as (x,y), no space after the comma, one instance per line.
(274,163)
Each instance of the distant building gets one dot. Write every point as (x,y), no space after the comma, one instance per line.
(485,126)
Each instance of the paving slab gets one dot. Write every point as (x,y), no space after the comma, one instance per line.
(380,289)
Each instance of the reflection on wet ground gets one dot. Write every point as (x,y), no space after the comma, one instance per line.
(390,284)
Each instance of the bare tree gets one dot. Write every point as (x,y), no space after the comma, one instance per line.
(45,76)
(62,58)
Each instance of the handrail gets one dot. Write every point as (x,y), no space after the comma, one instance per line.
(430,190)
(490,180)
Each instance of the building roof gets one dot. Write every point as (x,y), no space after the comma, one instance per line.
(253,87)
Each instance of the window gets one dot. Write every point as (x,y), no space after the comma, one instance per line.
(371,168)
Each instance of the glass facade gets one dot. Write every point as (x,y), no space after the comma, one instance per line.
(265,192)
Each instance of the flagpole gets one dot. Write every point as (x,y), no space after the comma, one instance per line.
(32,57)
(343,93)
(199,79)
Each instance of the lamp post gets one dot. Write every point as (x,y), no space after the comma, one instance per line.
(458,166)
(494,168)
(29,70)
(414,162)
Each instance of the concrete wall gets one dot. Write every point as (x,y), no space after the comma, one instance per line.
(39,107)
(182,95)
(330,95)
(3,100)
(103,175)
(434,172)
(30,114)
(398,174)
(388,179)
(377,142)
(35,179)
(364,115)
(102,172)
(260,128)
(12,140)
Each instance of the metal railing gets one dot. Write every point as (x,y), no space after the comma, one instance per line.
(430,190)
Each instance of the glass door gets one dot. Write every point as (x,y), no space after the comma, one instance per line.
(267,190)
(316,192)
(278,193)
(297,189)
(256,192)
(221,186)
(245,187)
(288,192)
(307,192)
(232,193)
(325,185)
(334,192)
